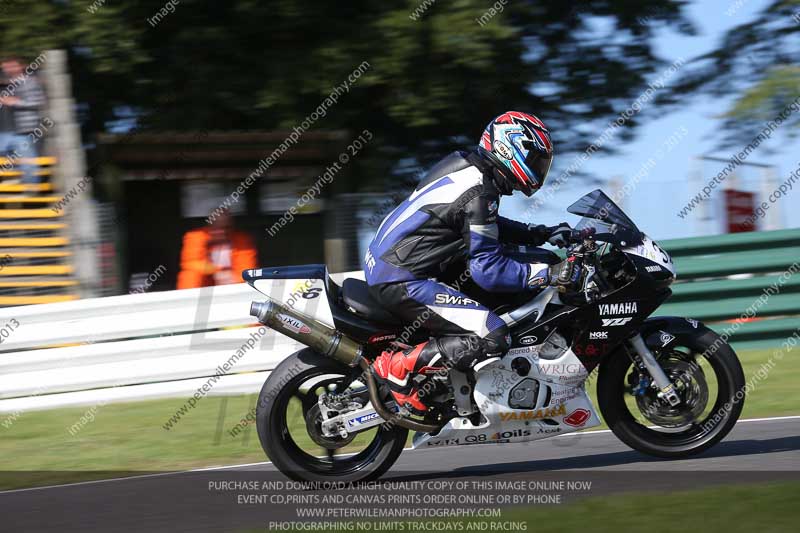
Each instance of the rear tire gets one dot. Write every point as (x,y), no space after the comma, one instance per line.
(677,442)
(276,439)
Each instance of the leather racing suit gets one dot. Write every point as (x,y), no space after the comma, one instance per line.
(451,217)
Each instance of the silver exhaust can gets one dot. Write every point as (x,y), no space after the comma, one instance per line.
(308,331)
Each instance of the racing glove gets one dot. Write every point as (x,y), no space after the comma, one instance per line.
(557,235)
(537,234)
(563,235)
(566,275)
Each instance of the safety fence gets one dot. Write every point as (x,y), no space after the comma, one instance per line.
(133,347)
(746,285)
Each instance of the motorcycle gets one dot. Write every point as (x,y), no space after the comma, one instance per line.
(666,386)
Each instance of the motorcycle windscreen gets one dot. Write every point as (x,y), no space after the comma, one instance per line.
(601,213)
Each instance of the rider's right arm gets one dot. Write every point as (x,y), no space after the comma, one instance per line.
(489,267)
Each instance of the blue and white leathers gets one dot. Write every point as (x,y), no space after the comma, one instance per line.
(450,219)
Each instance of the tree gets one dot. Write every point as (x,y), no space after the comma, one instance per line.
(434,79)
(757,62)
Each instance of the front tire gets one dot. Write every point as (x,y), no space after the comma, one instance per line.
(663,431)
(280,432)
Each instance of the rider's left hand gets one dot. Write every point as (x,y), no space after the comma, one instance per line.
(558,234)
(537,235)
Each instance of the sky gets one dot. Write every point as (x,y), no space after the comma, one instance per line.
(666,149)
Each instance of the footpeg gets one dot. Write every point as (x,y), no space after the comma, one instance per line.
(462,393)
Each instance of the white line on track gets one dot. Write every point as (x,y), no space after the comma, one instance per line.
(231,467)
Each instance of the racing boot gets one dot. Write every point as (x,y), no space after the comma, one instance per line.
(405,371)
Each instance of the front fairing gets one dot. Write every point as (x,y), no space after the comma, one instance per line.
(609,222)
(638,271)
(658,260)
(612,225)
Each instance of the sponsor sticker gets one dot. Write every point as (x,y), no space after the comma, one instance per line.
(693,322)
(369,261)
(443,298)
(292,324)
(591,350)
(548,430)
(530,339)
(577,418)
(523,350)
(503,150)
(362,419)
(598,335)
(539,414)
(666,338)
(622,308)
(653,268)
(610,322)
(444,442)
(501,435)
(502,380)
(381,338)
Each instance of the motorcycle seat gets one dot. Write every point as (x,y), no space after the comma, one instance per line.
(355,294)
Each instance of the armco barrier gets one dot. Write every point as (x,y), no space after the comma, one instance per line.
(144,346)
(136,347)
(139,346)
(725,278)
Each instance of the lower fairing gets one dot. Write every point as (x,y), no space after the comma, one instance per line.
(549,400)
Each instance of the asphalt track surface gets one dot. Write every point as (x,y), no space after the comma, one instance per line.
(756,451)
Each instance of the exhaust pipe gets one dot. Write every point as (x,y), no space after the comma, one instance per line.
(330,343)
(307,330)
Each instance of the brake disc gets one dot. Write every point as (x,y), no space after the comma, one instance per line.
(692,388)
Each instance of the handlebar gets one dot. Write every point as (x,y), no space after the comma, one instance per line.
(578,236)
(583,249)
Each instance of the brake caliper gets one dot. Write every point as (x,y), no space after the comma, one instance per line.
(641,388)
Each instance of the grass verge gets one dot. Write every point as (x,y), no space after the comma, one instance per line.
(130,437)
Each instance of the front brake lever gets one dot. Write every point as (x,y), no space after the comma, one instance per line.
(592,293)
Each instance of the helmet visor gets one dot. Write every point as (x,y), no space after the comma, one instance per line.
(539,163)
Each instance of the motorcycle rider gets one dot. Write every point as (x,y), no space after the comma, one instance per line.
(451,217)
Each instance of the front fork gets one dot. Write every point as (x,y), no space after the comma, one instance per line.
(665,386)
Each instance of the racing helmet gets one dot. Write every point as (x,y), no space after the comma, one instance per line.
(520,145)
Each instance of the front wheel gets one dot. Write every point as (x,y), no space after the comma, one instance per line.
(288,419)
(709,381)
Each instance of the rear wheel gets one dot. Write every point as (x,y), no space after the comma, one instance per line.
(288,419)
(709,381)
